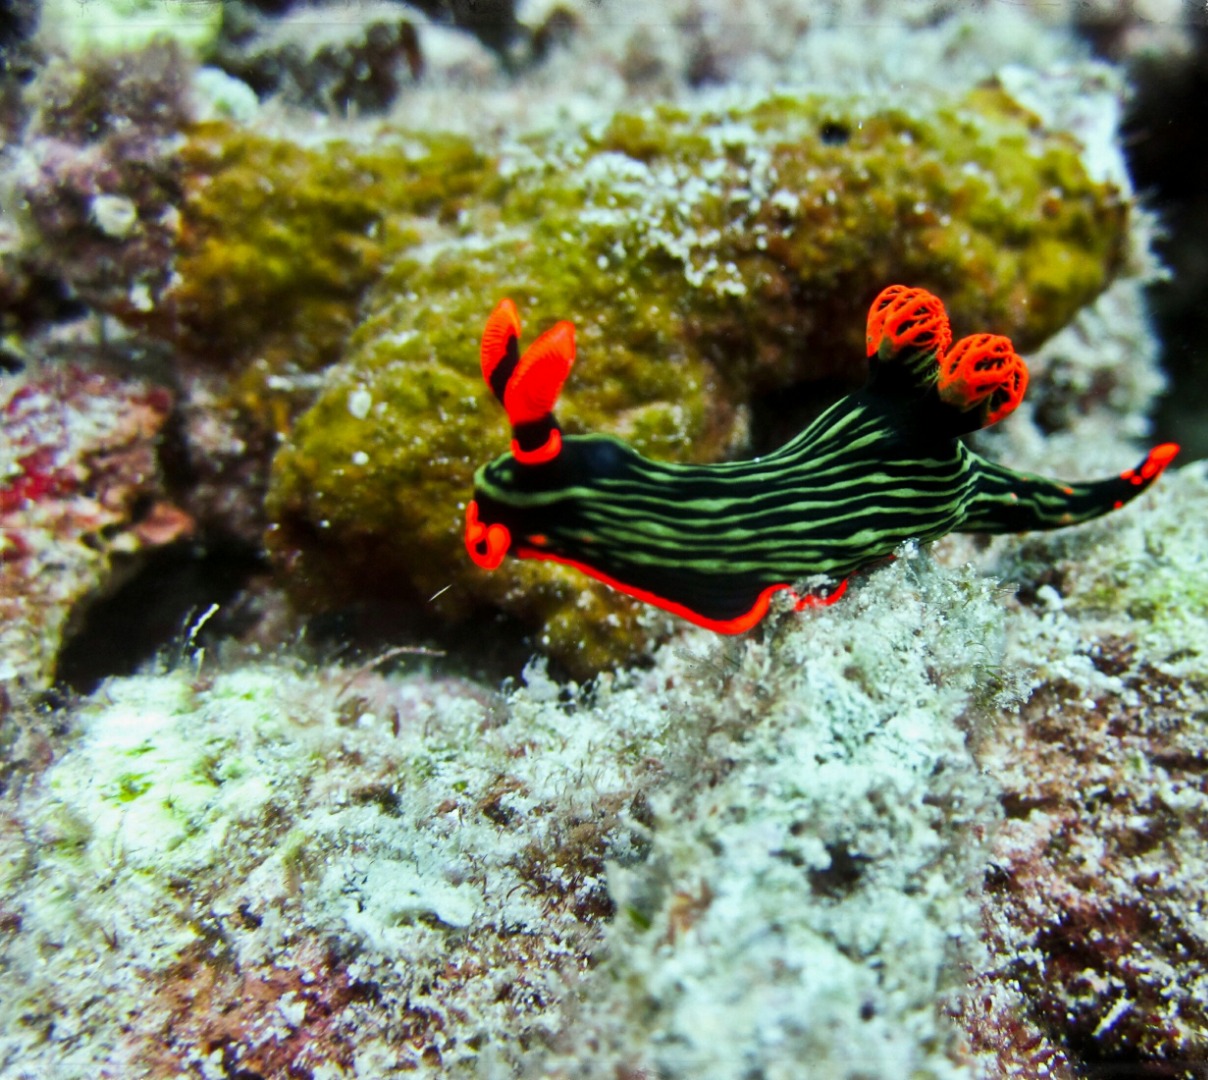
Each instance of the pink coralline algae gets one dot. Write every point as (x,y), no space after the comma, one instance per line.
(1093,906)
(80,490)
(37,478)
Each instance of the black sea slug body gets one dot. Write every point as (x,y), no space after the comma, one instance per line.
(713,543)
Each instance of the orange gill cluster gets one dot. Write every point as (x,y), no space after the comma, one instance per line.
(981,372)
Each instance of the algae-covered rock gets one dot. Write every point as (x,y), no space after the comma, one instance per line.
(278,240)
(706,257)
(275,245)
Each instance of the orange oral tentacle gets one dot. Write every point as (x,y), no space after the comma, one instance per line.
(486,544)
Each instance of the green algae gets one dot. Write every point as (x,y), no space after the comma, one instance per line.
(279,241)
(705,257)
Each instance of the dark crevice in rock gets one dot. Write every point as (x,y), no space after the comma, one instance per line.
(1166,141)
(152,612)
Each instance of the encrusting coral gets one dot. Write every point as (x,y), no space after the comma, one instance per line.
(245,255)
(112,26)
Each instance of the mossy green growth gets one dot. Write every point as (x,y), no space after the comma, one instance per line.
(279,241)
(705,257)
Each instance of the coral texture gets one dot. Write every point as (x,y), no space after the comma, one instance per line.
(748,856)
(315,872)
(95,180)
(805,905)
(334,873)
(1095,887)
(712,255)
(81,496)
(341,61)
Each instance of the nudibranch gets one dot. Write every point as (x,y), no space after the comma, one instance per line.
(713,543)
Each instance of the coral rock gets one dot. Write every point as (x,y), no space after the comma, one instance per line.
(80,491)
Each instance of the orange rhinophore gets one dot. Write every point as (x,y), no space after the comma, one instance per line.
(500,337)
(527,386)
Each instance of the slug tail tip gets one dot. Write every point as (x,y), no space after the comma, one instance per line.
(1157,459)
